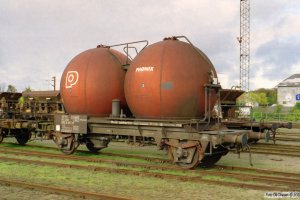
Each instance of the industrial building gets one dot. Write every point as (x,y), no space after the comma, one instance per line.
(288,93)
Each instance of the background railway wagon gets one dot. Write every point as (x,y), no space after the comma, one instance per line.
(28,114)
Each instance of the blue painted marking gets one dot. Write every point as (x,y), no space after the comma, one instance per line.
(298,97)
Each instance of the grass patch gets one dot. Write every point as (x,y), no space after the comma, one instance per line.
(220,178)
(120,185)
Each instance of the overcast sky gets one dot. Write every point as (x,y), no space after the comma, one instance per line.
(39,37)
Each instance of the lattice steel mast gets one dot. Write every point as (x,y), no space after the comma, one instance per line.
(244,41)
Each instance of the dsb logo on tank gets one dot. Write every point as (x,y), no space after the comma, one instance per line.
(71,78)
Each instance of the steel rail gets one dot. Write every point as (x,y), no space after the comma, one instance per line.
(276,145)
(195,179)
(290,183)
(60,190)
(256,170)
(147,158)
(5,150)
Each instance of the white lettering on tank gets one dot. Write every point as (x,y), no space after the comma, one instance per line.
(144,69)
(71,78)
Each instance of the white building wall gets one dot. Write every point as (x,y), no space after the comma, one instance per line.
(288,96)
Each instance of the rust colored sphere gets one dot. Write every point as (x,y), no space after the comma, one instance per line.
(167,80)
(92,80)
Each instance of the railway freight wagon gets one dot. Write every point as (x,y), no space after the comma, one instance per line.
(165,96)
(28,115)
(234,117)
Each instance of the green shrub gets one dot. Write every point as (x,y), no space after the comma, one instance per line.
(278,108)
(297,106)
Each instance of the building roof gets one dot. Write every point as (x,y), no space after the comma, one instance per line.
(228,96)
(41,94)
(292,81)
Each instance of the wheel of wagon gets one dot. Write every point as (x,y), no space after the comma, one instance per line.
(91,147)
(22,136)
(187,158)
(71,146)
(195,161)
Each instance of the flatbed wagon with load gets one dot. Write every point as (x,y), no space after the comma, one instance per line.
(28,115)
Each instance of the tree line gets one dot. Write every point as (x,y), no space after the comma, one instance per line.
(259,97)
(12,88)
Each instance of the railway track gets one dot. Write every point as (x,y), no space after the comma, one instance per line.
(9,151)
(296,125)
(288,135)
(288,138)
(276,149)
(146,158)
(245,178)
(162,160)
(60,190)
(258,148)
